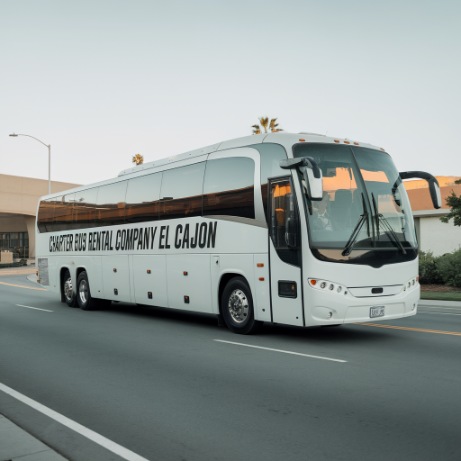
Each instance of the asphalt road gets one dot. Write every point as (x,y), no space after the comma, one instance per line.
(164,385)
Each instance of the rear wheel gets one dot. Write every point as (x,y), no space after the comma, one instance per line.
(237,307)
(68,290)
(84,299)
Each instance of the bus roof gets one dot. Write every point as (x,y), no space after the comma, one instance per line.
(281,137)
(285,139)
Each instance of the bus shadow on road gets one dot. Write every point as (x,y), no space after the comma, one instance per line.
(161,314)
(341,334)
(331,334)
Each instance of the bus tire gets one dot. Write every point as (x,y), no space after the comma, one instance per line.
(68,290)
(84,299)
(237,307)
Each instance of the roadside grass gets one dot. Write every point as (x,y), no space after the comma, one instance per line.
(441,295)
(440,292)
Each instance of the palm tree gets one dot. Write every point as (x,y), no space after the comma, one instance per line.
(267,125)
(256,129)
(138,159)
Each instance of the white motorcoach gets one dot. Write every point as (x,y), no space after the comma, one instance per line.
(297,229)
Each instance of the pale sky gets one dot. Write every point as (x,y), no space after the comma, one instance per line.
(102,80)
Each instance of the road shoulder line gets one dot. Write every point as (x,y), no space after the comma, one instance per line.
(73,425)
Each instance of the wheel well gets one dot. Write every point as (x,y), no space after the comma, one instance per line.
(225,279)
(79,271)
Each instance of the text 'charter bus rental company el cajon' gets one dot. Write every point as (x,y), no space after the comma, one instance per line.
(297,229)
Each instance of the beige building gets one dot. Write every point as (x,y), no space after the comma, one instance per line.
(18,207)
(434,235)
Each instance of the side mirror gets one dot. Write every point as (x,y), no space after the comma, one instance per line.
(434,187)
(314,184)
(312,175)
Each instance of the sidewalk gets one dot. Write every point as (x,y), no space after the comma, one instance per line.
(17,444)
(17,270)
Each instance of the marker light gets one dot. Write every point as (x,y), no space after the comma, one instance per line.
(326,285)
(412,283)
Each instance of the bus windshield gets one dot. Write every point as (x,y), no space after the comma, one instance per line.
(364,216)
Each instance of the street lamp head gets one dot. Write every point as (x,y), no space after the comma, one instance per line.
(15,135)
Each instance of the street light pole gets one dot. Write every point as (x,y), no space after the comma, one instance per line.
(48,146)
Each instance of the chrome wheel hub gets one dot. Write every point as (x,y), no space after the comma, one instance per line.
(238,306)
(83,292)
(68,289)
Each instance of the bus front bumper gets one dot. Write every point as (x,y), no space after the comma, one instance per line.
(329,310)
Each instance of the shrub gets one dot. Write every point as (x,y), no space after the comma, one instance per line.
(449,268)
(428,269)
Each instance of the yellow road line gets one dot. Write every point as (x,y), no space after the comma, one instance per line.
(22,286)
(419,330)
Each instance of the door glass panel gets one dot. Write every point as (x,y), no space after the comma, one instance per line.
(285,232)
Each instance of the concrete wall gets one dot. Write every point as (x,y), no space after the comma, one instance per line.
(19,195)
(12,223)
(436,236)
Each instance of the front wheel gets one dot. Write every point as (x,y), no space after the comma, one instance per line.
(237,307)
(84,299)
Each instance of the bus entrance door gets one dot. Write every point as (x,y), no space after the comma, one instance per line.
(285,255)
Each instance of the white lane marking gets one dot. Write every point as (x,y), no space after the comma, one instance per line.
(282,351)
(35,308)
(82,430)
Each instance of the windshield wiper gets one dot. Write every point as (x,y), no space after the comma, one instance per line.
(363,217)
(392,235)
(355,233)
(390,232)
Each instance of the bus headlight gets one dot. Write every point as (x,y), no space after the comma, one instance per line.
(326,285)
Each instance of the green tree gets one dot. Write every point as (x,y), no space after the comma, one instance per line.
(138,159)
(454,202)
(266,125)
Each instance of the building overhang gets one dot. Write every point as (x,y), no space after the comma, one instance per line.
(430,213)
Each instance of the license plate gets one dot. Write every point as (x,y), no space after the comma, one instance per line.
(376,311)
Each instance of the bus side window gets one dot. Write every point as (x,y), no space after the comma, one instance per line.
(46,214)
(229,187)
(181,192)
(85,214)
(111,203)
(63,213)
(143,198)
